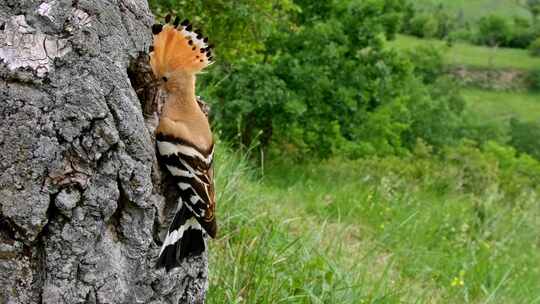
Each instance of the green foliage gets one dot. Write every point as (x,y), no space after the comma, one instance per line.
(461,34)
(329,87)
(533,78)
(255,104)
(428,62)
(436,23)
(425,228)
(478,172)
(524,137)
(364,21)
(522,34)
(423,26)
(314,78)
(434,111)
(483,131)
(534,8)
(493,31)
(447,22)
(518,173)
(534,48)
(437,117)
(310,11)
(323,87)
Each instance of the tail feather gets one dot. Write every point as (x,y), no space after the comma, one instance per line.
(178,48)
(210,227)
(192,244)
(184,238)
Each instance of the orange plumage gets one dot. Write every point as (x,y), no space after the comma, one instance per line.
(184,140)
(177,49)
(178,54)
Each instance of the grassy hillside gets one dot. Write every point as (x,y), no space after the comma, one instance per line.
(488,106)
(471,55)
(501,106)
(474,9)
(388,231)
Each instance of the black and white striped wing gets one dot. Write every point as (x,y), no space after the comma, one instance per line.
(192,170)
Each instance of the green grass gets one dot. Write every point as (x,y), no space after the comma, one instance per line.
(474,9)
(490,106)
(371,231)
(465,54)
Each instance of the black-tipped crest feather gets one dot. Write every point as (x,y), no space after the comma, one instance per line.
(157,28)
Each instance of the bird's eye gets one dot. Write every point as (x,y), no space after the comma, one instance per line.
(164,79)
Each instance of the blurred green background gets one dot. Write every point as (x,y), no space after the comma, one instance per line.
(374,151)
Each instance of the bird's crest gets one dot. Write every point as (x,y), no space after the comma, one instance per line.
(178,48)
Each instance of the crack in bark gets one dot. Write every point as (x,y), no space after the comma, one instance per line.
(7,231)
(121,203)
(25,47)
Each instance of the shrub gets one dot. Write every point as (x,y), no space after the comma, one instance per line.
(446,23)
(533,80)
(429,24)
(436,117)
(518,172)
(520,37)
(524,137)
(534,48)
(258,103)
(423,26)
(428,63)
(477,172)
(493,31)
(498,31)
(482,131)
(487,171)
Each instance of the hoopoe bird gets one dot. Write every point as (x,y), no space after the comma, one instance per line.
(183,138)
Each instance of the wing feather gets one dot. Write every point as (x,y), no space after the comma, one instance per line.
(193,171)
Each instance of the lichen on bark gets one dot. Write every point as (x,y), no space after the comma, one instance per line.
(81,195)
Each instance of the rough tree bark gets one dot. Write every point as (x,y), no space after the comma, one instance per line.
(80,193)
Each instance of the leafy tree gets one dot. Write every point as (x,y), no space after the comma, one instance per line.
(318,82)
(253,103)
(316,78)
(522,34)
(436,113)
(493,30)
(310,11)
(446,21)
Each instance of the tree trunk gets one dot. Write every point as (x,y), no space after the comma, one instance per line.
(80,191)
